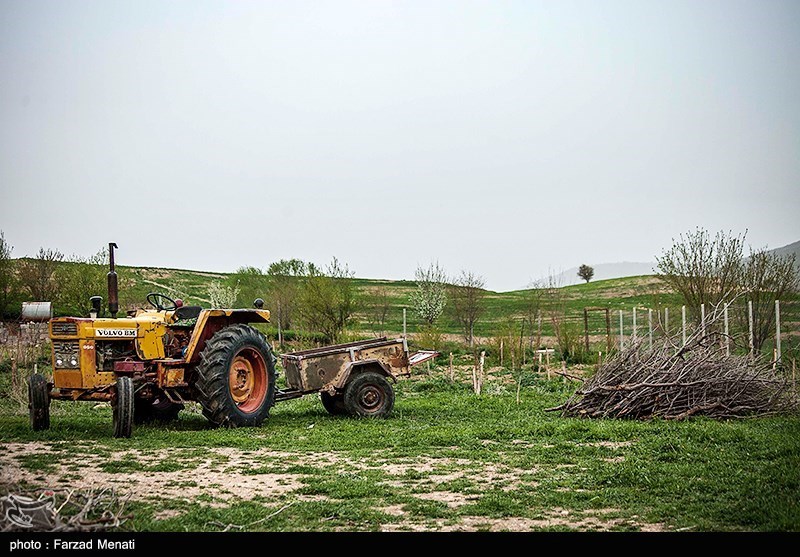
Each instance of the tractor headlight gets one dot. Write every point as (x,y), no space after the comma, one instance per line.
(66,354)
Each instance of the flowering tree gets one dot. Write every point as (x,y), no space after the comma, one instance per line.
(430,297)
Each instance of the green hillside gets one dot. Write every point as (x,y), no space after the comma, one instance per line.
(507,315)
(621,293)
(504,311)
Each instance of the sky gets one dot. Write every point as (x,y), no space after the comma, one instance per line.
(510,139)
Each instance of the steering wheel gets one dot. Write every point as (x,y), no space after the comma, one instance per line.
(157,299)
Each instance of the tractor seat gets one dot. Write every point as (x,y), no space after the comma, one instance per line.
(187,312)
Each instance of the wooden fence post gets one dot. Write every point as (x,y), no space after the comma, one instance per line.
(727,338)
(634,326)
(475,375)
(452,374)
(683,324)
(750,325)
(778,329)
(14,376)
(621,333)
(703,318)
(480,376)
(650,326)
(586,327)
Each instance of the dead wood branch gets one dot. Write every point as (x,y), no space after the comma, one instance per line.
(87,510)
(676,382)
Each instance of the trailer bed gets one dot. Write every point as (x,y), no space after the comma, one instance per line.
(327,368)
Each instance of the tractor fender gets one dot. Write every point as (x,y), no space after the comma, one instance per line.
(212,320)
(354,368)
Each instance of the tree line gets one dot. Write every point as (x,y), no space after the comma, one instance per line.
(50,276)
(703,269)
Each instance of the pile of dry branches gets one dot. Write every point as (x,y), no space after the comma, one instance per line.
(675,382)
(65,510)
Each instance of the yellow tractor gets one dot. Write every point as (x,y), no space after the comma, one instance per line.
(150,362)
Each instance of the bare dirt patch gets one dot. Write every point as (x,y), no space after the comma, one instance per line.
(451,499)
(222,481)
(392,510)
(557,518)
(165,514)
(218,476)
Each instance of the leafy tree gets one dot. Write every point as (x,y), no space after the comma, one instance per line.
(7,277)
(252,284)
(702,269)
(766,277)
(377,304)
(37,275)
(221,295)
(586,272)
(79,279)
(713,271)
(284,279)
(534,301)
(327,299)
(466,300)
(430,297)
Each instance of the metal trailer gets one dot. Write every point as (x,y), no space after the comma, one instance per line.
(352,378)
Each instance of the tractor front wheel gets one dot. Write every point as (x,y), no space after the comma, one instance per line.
(123,407)
(39,402)
(236,377)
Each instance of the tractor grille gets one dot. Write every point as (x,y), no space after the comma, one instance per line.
(66,355)
(64,329)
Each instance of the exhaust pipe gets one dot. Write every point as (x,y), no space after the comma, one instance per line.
(113,289)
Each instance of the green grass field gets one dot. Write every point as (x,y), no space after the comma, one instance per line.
(445,460)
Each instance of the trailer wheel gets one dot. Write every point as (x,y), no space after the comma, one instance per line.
(236,377)
(334,404)
(369,394)
(123,408)
(39,402)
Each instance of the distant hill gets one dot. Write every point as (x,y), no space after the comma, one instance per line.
(603,271)
(788,250)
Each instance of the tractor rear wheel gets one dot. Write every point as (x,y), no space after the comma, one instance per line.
(370,395)
(123,407)
(236,377)
(39,402)
(334,404)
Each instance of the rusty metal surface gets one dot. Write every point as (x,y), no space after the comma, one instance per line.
(338,348)
(329,367)
(81,394)
(68,379)
(170,373)
(344,374)
(128,367)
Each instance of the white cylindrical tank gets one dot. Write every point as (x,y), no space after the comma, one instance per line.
(37,311)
